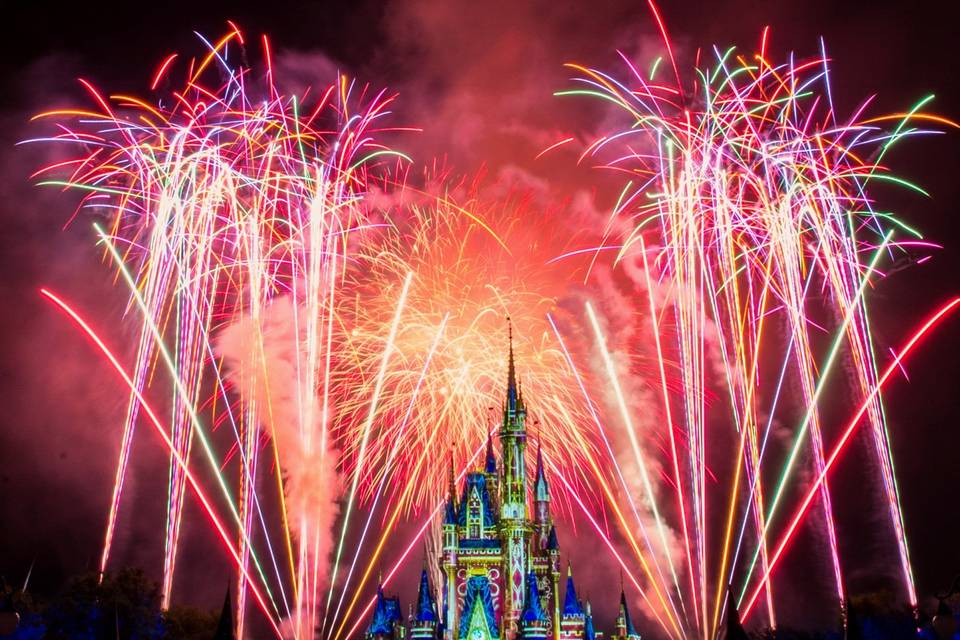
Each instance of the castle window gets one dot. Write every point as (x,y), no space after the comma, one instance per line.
(474,516)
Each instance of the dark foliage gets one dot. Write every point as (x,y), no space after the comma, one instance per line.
(122,606)
(189,623)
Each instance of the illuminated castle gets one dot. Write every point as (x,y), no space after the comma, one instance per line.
(500,560)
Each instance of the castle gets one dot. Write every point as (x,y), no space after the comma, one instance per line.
(500,560)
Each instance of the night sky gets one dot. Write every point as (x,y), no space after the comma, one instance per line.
(460,67)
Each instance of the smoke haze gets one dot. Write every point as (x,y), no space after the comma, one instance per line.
(479,78)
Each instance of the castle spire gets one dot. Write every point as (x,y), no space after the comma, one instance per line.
(589,633)
(513,507)
(533,613)
(513,443)
(452,487)
(490,465)
(553,545)
(451,509)
(426,609)
(541,488)
(625,621)
(380,623)
(225,622)
(571,603)
(735,629)
(512,393)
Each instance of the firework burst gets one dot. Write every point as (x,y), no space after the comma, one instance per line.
(749,204)
(346,325)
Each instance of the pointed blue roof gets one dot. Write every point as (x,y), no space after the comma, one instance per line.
(449,514)
(589,633)
(552,543)
(380,623)
(426,608)
(571,604)
(478,482)
(631,630)
(478,595)
(491,463)
(394,614)
(444,611)
(541,488)
(532,609)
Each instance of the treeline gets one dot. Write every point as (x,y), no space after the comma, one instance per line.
(126,606)
(123,606)
(879,615)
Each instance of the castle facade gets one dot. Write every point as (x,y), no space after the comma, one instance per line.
(500,557)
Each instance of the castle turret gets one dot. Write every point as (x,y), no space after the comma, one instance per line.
(425,618)
(625,628)
(534,624)
(450,513)
(572,616)
(553,557)
(386,615)
(513,439)
(541,493)
(449,558)
(492,474)
(395,616)
(490,462)
(589,633)
(514,519)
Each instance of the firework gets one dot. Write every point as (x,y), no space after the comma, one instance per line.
(750,212)
(228,205)
(354,336)
(345,323)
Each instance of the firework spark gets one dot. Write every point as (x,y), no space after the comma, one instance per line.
(749,206)
(296,285)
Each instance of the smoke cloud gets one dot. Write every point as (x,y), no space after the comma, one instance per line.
(266,361)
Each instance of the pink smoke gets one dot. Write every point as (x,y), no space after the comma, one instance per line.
(267,361)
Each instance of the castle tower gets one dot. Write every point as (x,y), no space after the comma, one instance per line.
(625,628)
(492,473)
(534,623)
(425,618)
(589,633)
(449,558)
(515,524)
(386,622)
(573,618)
(546,544)
(541,501)
(513,440)
(498,541)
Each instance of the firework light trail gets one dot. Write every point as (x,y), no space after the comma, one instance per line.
(331,327)
(330,330)
(229,206)
(748,206)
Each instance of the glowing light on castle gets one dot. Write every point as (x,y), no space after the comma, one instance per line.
(500,559)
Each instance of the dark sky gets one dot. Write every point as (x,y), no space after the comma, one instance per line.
(458,66)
